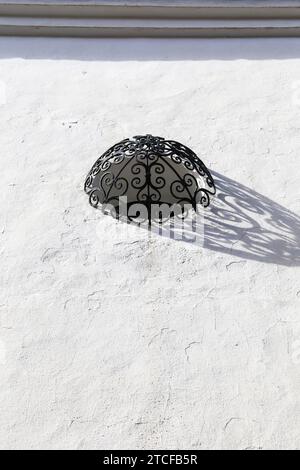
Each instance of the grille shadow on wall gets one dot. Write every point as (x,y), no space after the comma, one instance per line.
(246,224)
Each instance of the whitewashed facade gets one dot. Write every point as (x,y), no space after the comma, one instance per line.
(114,338)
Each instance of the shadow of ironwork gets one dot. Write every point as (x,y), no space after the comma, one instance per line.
(244,223)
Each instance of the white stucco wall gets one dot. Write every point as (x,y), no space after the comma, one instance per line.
(111,339)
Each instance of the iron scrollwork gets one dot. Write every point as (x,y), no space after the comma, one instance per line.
(149,171)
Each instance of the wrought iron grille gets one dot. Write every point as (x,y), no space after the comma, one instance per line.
(149,171)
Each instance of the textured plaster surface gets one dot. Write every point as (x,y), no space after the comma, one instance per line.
(110,338)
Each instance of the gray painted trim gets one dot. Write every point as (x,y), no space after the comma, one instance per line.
(160,18)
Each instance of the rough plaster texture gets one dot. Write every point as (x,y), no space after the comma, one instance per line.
(110,338)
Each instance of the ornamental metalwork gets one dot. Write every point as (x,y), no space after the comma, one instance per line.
(147,172)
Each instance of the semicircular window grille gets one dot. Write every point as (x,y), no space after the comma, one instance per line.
(149,176)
